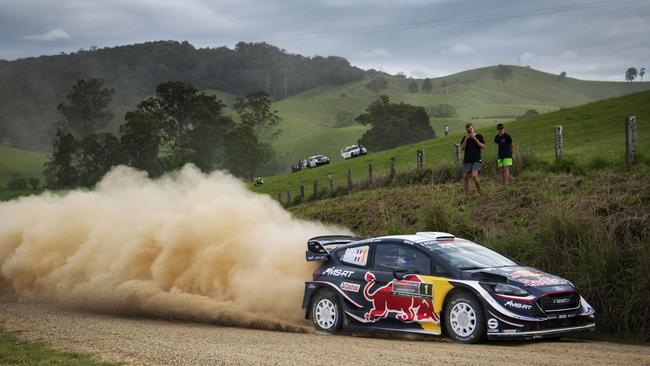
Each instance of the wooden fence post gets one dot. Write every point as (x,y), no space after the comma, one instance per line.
(393,168)
(330,183)
(630,140)
(559,141)
(420,161)
(315,188)
(280,198)
(457,155)
(350,179)
(289,198)
(369,173)
(302,192)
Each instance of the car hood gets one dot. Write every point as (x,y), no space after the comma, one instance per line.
(524,277)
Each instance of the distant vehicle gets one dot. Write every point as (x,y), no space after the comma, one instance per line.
(435,283)
(317,160)
(353,151)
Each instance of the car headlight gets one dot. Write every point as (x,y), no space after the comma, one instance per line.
(505,289)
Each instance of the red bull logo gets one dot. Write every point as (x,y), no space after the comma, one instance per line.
(405,308)
(525,273)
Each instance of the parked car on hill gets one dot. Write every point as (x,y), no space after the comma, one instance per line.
(317,160)
(435,283)
(353,151)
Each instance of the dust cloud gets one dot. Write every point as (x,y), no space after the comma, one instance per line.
(186,246)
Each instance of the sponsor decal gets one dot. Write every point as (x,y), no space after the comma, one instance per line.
(509,331)
(337,272)
(542,281)
(525,273)
(385,303)
(492,324)
(356,255)
(563,300)
(352,287)
(517,305)
(412,288)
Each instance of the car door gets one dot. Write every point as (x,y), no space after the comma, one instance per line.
(398,289)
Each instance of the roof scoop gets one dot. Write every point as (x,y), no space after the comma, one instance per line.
(436,235)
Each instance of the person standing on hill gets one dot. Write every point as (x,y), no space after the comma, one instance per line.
(472,144)
(446,129)
(504,159)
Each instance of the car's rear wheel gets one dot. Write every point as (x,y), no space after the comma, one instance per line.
(464,319)
(326,313)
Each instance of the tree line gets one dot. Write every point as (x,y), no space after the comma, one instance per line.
(175,126)
(32,87)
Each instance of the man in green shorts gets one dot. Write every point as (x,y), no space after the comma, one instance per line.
(504,162)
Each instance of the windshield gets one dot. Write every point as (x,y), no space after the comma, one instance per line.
(463,254)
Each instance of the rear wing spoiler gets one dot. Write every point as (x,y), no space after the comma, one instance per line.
(316,246)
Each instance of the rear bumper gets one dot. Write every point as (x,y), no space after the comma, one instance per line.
(537,334)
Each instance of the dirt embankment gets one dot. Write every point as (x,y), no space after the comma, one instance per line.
(157,342)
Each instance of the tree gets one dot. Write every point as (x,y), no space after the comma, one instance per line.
(140,141)
(255,111)
(442,111)
(378,84)
(427,86)
(562,76)
(17,182)
(59,172)
(529,113)
(178,107)
(394,124)
(413,87)
(244,153)
(87,111)
(95,156)
(502,73)
(34,182)
(631,74)
(642,73)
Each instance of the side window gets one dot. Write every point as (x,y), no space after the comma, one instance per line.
(356,256)
(391,256)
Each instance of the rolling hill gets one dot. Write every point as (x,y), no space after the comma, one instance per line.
(309,117)
(591,131)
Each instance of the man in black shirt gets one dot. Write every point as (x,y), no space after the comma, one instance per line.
(504,162)
(472,144)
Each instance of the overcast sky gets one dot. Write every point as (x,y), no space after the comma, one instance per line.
(589,39)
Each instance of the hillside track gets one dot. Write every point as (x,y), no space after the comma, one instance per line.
(141,341)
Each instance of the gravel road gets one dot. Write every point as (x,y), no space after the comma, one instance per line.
(141,341)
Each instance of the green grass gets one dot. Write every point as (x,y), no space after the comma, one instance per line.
(16,352)
(593,136)
(308,118)
(25,163)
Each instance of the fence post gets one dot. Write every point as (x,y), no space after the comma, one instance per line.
(350,179)
(393,168)
(558,143)
(630,140)
(330,183)
(420,161)
(302,192)
(315,188)
(457,155)
(280,198)
(369,173)
(288,198)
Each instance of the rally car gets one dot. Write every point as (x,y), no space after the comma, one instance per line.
(435,283)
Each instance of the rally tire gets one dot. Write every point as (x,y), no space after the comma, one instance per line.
(326,312)
(464,318)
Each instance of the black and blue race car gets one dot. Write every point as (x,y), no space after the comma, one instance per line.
(435,283)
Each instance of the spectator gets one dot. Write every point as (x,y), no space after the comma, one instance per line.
(446,129)
(471,144)
(504,159)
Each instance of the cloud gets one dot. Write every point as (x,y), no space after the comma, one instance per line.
(527,56)
(52,35)
(459,49)
(375,53)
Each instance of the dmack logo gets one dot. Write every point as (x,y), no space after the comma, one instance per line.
(407,309)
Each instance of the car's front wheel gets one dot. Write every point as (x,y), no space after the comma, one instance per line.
(326,312)
(464,319)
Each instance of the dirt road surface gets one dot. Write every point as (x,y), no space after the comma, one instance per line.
(141,341)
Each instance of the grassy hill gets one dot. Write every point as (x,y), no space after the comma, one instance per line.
(309,117)
(593,134)
(15,161)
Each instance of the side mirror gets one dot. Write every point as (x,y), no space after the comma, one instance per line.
(399,273)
